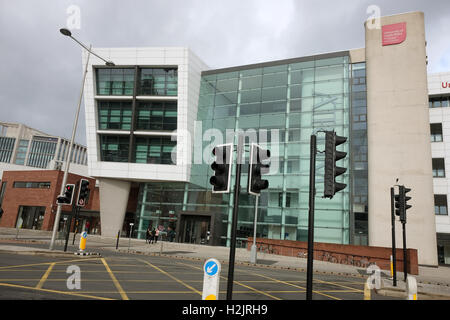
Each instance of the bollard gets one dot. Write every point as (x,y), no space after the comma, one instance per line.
(117,243)
(392,268)
(367,290)
(83,241)
(211,277)
(411,288)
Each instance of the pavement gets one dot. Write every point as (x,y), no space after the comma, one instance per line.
(432,282)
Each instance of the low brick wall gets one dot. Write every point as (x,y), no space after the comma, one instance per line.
(358,256)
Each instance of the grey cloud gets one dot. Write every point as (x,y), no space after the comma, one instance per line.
(41,70)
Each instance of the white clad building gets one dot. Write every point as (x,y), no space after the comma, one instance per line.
(439,93)
(131,113)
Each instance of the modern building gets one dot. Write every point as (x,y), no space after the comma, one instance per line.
(25,148)
(28,200)
(153,119)
(439,90)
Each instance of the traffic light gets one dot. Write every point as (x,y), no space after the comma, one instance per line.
(331,187)
(83,193)
(401,203)
(257,157)
(222,168)
(67,197)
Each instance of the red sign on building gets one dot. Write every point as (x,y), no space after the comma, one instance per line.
(394,33)
(445,85)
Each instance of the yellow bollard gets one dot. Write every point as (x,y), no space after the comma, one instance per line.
(392,267)
(83,241)
(367,290)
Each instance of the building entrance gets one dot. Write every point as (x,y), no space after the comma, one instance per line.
(30,217)
(194,229)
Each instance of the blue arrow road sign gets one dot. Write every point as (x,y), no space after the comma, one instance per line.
(211,268)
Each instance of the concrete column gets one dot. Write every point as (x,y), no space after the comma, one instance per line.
(113,204)
(399,136)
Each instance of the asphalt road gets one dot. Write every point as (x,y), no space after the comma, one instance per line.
(141,277)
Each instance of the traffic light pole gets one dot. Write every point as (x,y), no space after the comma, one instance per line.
(405,260)
(253,251)
(237,188)
(312,193)
(394,250)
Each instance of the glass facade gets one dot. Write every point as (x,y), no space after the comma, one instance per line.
(279,105)
(114,115)
(136,114)
(359,158)
(6,148)
(157,116)
(42,150)
(22,152)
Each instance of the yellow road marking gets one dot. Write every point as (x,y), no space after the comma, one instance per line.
(237,282)
(45,276)
(339,285)
(53,291)
(172,277)
(116,283)
(290,284)
(45,263)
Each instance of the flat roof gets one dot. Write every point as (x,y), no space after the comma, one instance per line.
(279,62)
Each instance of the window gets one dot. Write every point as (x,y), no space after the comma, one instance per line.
(42,150)
(6,148)
(156,116)
(158,82)
(114,148)
(440,205)
(439,168)
(31,184)
(21,152)
(115,82)
(114,115)
(155,150)
(436,132)
(438,102)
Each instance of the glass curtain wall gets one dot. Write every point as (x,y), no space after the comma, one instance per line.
(6,148)
(359,160)
(150,115)
(279,106)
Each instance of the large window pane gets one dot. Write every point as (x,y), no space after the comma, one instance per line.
(156,116)
(114,148)
(155,150)
(158,82)
(114,115)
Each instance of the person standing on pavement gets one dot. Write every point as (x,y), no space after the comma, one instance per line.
(148,235)
(153,235)
(156,235)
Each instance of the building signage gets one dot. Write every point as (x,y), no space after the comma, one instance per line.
(445,85)
(394,33)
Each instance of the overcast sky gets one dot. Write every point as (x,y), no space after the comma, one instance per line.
(40,75)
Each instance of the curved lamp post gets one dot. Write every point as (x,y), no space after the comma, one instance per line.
(67,33)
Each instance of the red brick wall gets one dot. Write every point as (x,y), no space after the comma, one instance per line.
(359,256)
(16,197)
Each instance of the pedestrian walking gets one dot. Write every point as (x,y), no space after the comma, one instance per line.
(153,235)
(148,235)
(156,235)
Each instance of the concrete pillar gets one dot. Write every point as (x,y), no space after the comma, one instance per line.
(399,135)
(113,204)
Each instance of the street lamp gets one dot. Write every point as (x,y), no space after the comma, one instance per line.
(67,33)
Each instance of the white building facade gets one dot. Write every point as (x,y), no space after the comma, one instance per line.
(137,117)
(439,93)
